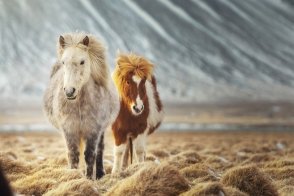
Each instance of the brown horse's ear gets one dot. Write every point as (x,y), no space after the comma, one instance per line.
(61,41)
(86,41)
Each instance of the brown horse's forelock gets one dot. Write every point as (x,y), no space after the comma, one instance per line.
(129,65)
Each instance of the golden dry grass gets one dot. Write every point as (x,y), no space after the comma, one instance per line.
(224,163)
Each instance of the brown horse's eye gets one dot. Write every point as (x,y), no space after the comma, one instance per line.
(82,62)
(128,82)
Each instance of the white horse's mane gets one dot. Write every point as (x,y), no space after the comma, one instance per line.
(96,50)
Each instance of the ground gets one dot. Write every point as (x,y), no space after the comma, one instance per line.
(201,163)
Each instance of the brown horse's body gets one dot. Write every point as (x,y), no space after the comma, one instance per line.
(126,124)
(137,88)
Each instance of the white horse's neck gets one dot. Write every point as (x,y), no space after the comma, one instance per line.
(100,73)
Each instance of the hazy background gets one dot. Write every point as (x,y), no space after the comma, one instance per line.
(213,58)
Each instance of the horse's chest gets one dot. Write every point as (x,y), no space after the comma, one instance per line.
(155,116)
(77,116)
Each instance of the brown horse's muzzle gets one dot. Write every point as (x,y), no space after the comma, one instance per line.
(137,109)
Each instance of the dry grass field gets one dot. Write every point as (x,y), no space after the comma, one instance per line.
(201,163)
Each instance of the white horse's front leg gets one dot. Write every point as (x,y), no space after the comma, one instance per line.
(118,153)
(140,147)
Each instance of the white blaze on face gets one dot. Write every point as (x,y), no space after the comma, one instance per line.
(69,79)
(77,68)
(137,107)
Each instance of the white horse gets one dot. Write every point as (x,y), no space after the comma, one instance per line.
(81,99)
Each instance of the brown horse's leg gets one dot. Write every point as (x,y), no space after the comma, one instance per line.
(140,146)
(118,153)
(72,141)
(99,158)
(90,153)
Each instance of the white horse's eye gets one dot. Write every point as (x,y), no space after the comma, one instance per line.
(82,62)
(63,62)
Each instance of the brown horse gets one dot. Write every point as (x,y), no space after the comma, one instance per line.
(140,108)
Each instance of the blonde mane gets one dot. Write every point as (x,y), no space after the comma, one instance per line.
(131,63)
(96,50)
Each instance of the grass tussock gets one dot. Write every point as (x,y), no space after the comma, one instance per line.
(77,187)
(279,163)
(258,158)
(43,180)
(285,182)
(203,189)
(184,159)
(230,191)
(286,191)
(280,173)
(251,180)
(218,162)
(176,164)
(160,153)
(11,165)
(196,171)
(152,179)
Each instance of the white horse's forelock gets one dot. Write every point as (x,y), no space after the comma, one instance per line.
(96,51)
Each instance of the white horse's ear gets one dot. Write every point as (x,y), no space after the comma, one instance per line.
(61,41)
(86,41)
